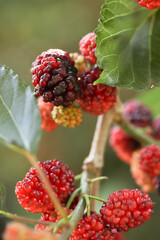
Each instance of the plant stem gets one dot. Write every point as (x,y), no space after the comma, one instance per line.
(91,169)
(33,160)
(93,180)
(94,162)
(79,210)
(72,197)
(24,219)
(96,198)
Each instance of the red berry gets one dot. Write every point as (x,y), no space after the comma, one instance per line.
(150,4)
(156,128)
(95,99)
(31,192)
(127,209)
(91,227)
(47,124)
(49,216)
(87,47)
(141,178)
(123,145)
(55,77)
(149,160)
(137,113)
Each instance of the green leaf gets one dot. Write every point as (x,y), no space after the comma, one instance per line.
(128,45)
(152,99)
(2,197)
(19,113)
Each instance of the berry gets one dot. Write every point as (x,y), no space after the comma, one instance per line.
(67,116)
(79,61)
(87,46)
(137,113)
(149,160)
(127,209)
(55,77)
(141,178)
(47,124)
(156,128)
(122,144)
(150,4)
(91,227)
(19,231)
(49,216)
(31,192)
(95,99)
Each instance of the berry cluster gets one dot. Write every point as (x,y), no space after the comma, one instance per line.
(124,209)
(61,79)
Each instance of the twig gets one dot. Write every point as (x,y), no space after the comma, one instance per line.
(24,219)
(94,162)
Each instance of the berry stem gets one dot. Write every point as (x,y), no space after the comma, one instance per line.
(96,198)
(137,133)
(86,197)
(34,162)
(78,177)
(72,197)
(93,180)
(24,219)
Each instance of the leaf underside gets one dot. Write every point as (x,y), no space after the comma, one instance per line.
(19,114)
(128,45)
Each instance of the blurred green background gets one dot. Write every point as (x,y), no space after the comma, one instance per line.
(26,29)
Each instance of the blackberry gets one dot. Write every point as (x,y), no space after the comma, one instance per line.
(55,77)
(95,99)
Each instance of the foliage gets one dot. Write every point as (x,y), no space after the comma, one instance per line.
(128,45)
